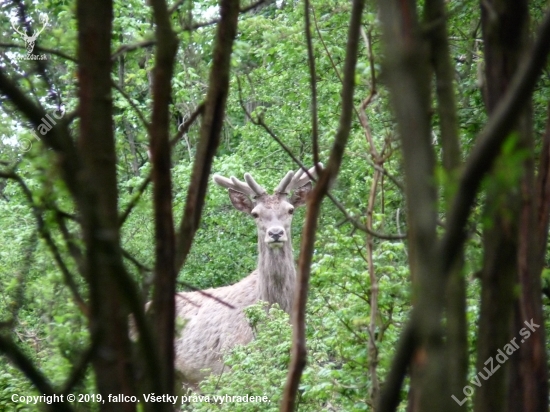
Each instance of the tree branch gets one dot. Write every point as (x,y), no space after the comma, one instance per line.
(181,131)
(212,122)
(20,360)
(498,127)
(68,277)
(58,138)
(244,10)
(131,47)
(163,304)
(348,218)
(298,357)
(312,85)
(132,104)
(479,163)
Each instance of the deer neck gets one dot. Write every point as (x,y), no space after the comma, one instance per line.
(277,274)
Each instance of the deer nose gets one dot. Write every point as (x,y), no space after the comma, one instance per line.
(276,233)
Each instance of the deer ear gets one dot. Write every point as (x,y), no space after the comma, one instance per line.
(299,196)
(241,201)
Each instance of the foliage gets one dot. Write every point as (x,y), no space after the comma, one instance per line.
(270,78)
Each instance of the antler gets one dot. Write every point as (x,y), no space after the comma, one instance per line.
(44,19)
(17,31)
(295,180)
(251,187)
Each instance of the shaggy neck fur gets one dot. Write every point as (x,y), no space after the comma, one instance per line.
(276,274)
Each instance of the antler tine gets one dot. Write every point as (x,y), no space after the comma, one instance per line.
(222,181)
(242,187)
(258,190)
(281,187)
(17,31)
(233,184)
(301,178)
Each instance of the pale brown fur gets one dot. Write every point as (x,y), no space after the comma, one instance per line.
(211,328)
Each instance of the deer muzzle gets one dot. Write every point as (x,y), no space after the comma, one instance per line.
(276,236)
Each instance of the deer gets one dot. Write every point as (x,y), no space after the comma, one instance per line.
(212,328)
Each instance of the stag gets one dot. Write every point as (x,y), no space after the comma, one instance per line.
(213,328)
(31,40)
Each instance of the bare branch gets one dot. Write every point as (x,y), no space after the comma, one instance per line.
(58,138)
(140,266)
(298,357)
(19,359)
(131,47)
(165,249)
(390,396)
(312,85)
(204,293)
(326,48)
(183,128)
(143,186)
(68,277)
(132,104)
(490,140)
(244,10)
(79,369)
(211,128)
(134,201)
(348,218)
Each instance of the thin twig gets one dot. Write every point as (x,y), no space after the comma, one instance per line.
(134,201)
(490,140)
(80,367)
(73,248)
(132,104)
(203,293)
(212,22)
(19,359)
(348,218)
(312,86)
(140,266)
(211,128)
(183,128)
(141,189)
(298,355)
(46,235)
(131,47)
(325,47)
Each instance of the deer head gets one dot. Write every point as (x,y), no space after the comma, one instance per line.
(30,40)
(273,213)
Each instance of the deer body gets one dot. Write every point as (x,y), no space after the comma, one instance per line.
(213,328)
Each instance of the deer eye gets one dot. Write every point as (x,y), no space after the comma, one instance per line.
(291,211)
(255,215)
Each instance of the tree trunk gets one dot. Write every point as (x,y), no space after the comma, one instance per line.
(504,27)
(97,203)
